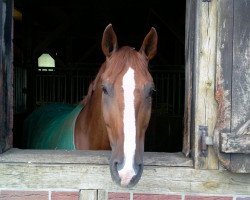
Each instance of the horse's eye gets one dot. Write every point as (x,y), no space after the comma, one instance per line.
(151,92)
(104,89)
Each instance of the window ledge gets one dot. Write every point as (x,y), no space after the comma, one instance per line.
(88,157)
(79,170)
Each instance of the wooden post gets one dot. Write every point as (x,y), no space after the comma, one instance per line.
(6,75)
(204,80)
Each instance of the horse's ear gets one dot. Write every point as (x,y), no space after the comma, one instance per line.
(109,41)
(149,45)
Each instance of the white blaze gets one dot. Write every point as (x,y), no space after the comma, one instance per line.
(128,85)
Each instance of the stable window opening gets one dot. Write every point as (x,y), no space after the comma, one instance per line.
(78,58)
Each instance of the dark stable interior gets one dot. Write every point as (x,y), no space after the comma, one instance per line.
(71,32)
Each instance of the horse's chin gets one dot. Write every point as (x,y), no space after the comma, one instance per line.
(124,183)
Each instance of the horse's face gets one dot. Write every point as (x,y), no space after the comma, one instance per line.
(126,103)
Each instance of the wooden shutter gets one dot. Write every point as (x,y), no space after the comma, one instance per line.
(232,132)
(6,75)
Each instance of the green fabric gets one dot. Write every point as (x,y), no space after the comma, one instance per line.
(52,127)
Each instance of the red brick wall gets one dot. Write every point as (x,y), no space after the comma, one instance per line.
(75,195)
(21,195)
(38,195)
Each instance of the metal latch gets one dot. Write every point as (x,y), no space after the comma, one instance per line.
(205,141)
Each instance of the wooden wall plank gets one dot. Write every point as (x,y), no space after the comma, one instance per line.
(241,81)
(232,143)
(2,113)
(241,65)
(204,80)
(155,179)
(232,82)
(223,75)
(189,64)
(6,75)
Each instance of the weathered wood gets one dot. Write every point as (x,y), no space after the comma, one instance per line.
(155,179)
(2,113)
(233,143)
(102,194)
(241,65)
(238,142)
(189,62)
(6,75)
(232,87)
(88,195)
(204,81)
(241,81)
(224,53)
(224,61)
(88,157)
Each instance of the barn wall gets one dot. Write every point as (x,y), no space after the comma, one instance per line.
(100,194)
(74,180)
(83,181)
(50,174)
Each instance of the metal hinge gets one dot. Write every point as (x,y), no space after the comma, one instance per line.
(205,140)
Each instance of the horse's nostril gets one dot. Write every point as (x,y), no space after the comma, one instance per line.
(117,165)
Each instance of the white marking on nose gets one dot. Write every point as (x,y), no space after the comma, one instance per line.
(128,85)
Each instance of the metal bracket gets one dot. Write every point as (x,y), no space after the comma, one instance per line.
(205,141)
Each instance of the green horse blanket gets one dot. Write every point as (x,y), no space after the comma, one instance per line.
(52,127)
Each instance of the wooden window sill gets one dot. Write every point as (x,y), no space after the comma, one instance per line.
(88,157)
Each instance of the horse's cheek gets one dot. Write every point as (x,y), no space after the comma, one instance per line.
(105,108)
(145,111)
(106,116)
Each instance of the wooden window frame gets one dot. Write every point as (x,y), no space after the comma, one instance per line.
(25,156)
(66,169)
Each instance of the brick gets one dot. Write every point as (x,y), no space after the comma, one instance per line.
(190,197)
(23,195)
(243,198)
(64,195)
(118,196)
(138,196)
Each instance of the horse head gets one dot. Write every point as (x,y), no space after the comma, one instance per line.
(127,88)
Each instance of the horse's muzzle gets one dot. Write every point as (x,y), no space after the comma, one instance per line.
(125,177)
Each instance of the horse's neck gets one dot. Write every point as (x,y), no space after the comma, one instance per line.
(90,131)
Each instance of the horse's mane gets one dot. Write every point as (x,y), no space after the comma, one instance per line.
(89,94)
(92,85)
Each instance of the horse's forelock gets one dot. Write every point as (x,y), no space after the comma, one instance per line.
(120,60)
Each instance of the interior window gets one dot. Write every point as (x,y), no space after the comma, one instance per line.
(46,62)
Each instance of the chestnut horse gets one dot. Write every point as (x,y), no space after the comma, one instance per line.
(114,114)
